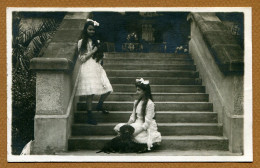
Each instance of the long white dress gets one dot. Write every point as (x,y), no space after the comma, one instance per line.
(150,134)
(92,78)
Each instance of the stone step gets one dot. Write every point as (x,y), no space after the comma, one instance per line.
(149,67)
(161,117)
(177,97)
(152,73)
(164,129)
(168,143)
(157,80)
(161,88)
(122,55)
(160,106)
(159,152)
(148,61)
(149,58)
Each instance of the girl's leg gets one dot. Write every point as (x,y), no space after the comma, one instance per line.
(103,97)
(89,100)
(90,120)
(101,101)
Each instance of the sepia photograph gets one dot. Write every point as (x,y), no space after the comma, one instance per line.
(129,84)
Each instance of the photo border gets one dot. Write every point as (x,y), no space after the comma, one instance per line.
(130,3)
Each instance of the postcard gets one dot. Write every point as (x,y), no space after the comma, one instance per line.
(129,84)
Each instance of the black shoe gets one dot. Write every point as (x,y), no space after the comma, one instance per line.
(102,110)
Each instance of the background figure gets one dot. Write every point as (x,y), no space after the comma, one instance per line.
(93,79)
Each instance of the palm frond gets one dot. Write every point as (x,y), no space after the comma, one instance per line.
(47,26)
(28,43)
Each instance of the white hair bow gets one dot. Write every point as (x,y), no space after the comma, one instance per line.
(146,82)
(95,22)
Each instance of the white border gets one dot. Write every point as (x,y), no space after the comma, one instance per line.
(9,81)
(248,143)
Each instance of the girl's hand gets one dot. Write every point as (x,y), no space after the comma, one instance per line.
(137,132)
(83,58)
(95,49)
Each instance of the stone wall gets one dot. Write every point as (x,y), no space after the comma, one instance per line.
(56,81)
(220,63)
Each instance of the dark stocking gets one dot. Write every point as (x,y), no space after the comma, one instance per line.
(90,119)
(100,103)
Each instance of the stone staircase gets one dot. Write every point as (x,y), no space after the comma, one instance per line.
(185,116)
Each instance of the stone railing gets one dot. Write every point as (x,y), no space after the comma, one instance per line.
(220,61)
(56,81)
(222,44)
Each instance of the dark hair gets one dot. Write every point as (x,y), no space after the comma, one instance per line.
(99,54)
(147,95)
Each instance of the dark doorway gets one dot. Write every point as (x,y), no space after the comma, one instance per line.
(169,29)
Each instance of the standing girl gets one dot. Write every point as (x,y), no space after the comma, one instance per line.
(93,79)
(143,116)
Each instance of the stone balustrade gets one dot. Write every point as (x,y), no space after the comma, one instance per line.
(56,83)
(220,62)
(222,44)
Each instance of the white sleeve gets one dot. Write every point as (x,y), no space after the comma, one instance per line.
(79,44)
(132,117)
(149,115)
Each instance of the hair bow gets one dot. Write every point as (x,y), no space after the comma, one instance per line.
(146,82)
(95,22)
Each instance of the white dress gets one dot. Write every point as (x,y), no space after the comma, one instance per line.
(150,134)
(92,78)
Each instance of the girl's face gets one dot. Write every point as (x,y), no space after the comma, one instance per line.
(140,93)
(90,30)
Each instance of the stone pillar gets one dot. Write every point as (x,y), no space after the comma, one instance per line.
(219,60)
(56,76)
(53,90)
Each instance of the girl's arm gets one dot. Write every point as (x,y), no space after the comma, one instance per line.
(148,117)
(85,57)
(93,51)
(132,117)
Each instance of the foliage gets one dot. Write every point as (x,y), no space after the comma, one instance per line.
(23,108)
(26,44)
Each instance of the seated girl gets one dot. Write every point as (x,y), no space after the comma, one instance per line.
(143,117)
